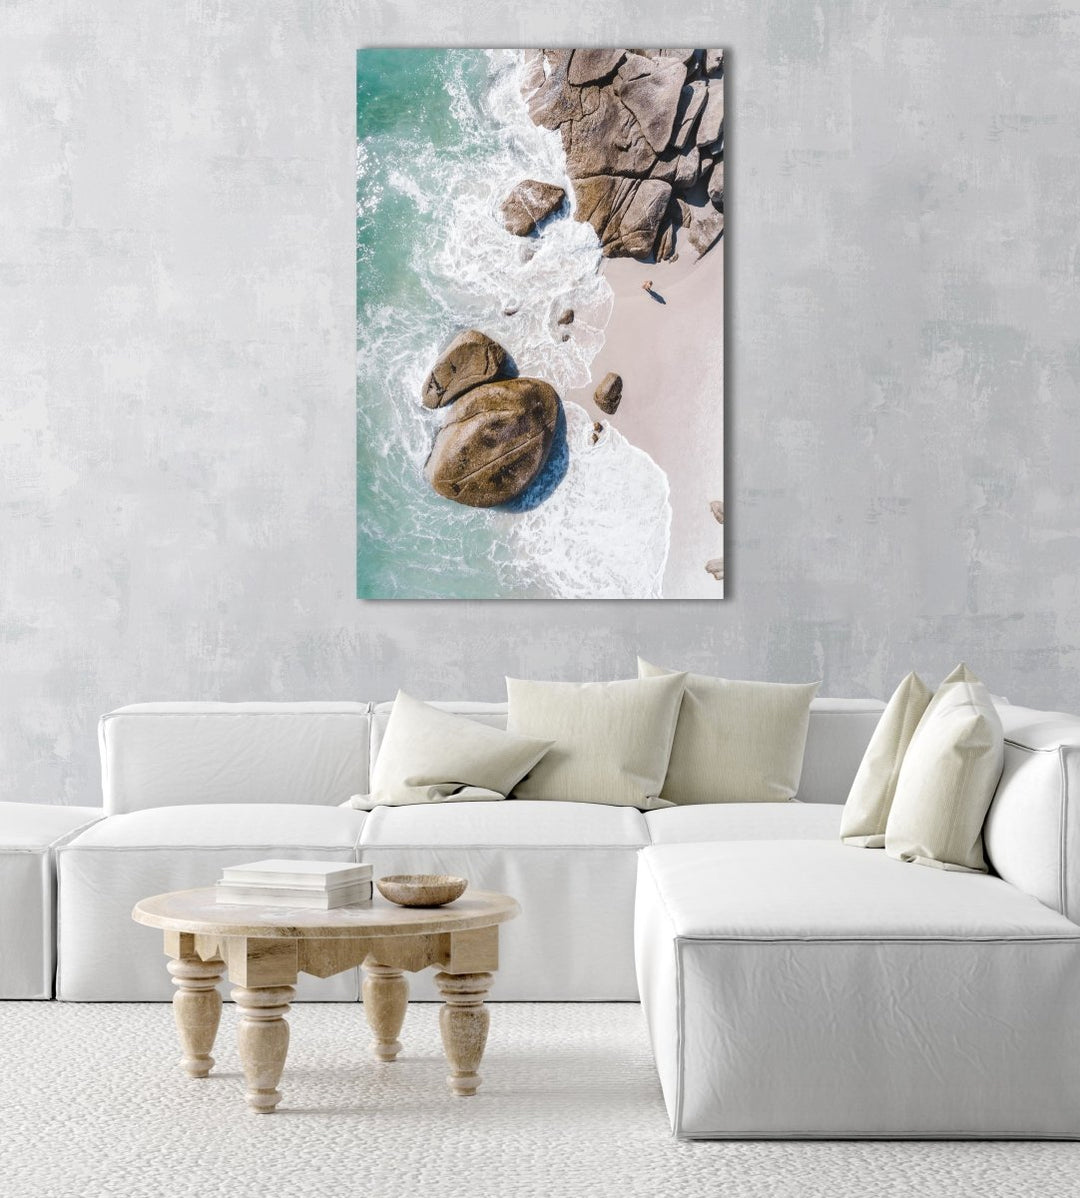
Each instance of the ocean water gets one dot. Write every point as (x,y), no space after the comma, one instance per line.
(442,136)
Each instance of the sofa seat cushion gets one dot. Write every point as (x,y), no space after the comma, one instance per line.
(571,866)
(524,822)
(808,988)
(821,888)
(29,836)
(220,825)
(105,956)
(744,821)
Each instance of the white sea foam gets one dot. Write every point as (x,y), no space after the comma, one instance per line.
(604,532)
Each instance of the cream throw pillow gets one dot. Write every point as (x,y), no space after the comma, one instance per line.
(867,808)
(737,742)
(431,756)
(948,778)
(612,739)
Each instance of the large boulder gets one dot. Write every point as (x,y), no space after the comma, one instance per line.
(529,203)
(688,169)
(608,395)
(706,229)
(551,98)
(716,185)
(691,102)
(586,66)
(494,443)
(653,96)
(606,141)
(626,213)
(711,121)
(470,360)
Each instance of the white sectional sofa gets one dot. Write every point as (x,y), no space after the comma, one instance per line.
(190,787)
(792,985)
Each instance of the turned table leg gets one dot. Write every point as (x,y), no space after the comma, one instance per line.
(463,1022)
(263,1040)
(197,1010)
(386,997)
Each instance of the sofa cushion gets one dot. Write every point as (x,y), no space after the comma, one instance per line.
(736,742)
(948,778)
(828,891)
(1032,830)
(432,756)
(704,822)
(571,866)
(612,740)
(866,811)
(837,736)
(30,833)
(221,825)
(173,754)
(105,956)
(803,989)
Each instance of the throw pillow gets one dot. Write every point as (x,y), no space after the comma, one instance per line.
(737,742)
(612,739)
(867,808)
(948,778)
(431,756)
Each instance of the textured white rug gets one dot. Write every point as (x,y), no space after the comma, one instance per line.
(92,1103)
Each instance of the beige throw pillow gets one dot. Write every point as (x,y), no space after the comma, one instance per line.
(948,778)
(867,808)
(737,742)
(612,739)
(432,756)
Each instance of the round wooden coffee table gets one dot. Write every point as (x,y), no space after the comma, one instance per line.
(264,948)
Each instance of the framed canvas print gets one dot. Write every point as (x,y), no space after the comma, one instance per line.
(539,303)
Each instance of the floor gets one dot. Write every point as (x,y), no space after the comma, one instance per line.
(92,1103)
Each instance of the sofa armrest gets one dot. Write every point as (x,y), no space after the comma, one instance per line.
(1032,832)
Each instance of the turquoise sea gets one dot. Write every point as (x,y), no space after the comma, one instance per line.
(442,135)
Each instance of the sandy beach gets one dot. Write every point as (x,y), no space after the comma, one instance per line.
(670,355)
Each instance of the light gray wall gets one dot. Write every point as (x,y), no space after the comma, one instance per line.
(176,374)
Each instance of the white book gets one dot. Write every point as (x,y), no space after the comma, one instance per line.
(313,875)
(352,895)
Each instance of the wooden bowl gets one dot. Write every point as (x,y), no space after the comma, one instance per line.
(421,890)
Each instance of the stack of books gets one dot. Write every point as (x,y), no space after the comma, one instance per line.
(318,885)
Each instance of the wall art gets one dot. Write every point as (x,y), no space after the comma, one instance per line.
(539,301)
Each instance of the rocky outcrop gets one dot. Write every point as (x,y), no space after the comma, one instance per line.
(494,443)
(529,203)
(608,395)
(642,131)
(566,316)
(470,360)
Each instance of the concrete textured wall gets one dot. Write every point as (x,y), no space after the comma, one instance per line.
(176,360)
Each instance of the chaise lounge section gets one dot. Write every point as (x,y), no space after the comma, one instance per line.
(809,989)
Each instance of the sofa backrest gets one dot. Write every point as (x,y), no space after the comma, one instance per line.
(175,754)
(840,730)
(1032,831)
